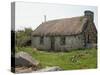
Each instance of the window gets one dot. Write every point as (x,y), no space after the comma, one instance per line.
(41,40)
(63,40)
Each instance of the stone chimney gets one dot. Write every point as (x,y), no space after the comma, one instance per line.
(90,15)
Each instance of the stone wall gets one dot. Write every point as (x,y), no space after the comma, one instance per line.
(90,33)
(45,45)
(71,42)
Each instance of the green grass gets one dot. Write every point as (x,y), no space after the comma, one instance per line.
(76,59)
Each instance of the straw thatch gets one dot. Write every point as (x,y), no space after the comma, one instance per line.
(65,26)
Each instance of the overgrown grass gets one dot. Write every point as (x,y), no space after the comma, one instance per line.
(76,59)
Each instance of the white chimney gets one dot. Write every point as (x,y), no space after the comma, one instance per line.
(44,18)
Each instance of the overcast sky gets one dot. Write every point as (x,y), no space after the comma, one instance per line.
(31,15)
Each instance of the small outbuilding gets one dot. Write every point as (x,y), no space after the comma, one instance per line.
(66,33)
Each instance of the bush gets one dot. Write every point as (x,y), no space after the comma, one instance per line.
(23,37)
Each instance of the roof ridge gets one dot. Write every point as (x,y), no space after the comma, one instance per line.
(62,19)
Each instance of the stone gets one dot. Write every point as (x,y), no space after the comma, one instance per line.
(24,59)
(49,69)
(23,70)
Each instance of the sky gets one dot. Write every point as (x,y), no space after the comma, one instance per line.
(31,15)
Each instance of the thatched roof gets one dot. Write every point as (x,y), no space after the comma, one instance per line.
(65,26)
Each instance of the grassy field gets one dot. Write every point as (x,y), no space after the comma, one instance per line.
(76,59)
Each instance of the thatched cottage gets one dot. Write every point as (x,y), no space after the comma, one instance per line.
(65,34)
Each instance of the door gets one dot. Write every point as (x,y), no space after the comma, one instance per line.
(52,43)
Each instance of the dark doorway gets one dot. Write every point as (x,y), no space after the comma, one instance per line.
(88,39)
(52,43)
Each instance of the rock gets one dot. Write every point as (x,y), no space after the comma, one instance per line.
(25,63)
(48,69)
(24,59)
(23,70)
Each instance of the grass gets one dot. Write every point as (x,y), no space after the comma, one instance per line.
(76,59)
